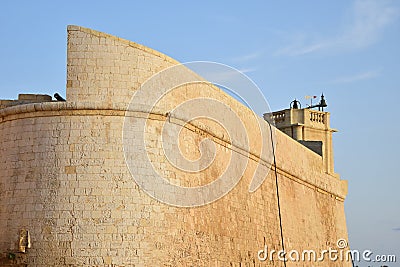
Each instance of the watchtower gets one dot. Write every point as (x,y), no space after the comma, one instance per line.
(309,127)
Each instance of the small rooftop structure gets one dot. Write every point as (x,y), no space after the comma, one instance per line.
(310,128)
(25,99)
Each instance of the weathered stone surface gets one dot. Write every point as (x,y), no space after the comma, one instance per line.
(63,177)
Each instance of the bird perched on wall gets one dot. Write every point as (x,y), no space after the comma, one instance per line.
(58,97)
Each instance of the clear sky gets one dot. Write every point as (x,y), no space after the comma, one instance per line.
(349,50)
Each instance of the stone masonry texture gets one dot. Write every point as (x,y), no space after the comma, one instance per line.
(63,177)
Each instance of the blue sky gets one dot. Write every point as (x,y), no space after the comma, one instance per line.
(347,49)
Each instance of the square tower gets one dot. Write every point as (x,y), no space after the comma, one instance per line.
(310,128)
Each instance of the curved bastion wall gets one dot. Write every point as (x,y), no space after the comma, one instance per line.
(64,178)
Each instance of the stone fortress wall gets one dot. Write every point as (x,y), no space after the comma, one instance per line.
(64,179)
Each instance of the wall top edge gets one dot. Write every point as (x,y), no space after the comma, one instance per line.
(121,40)
(67,105)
